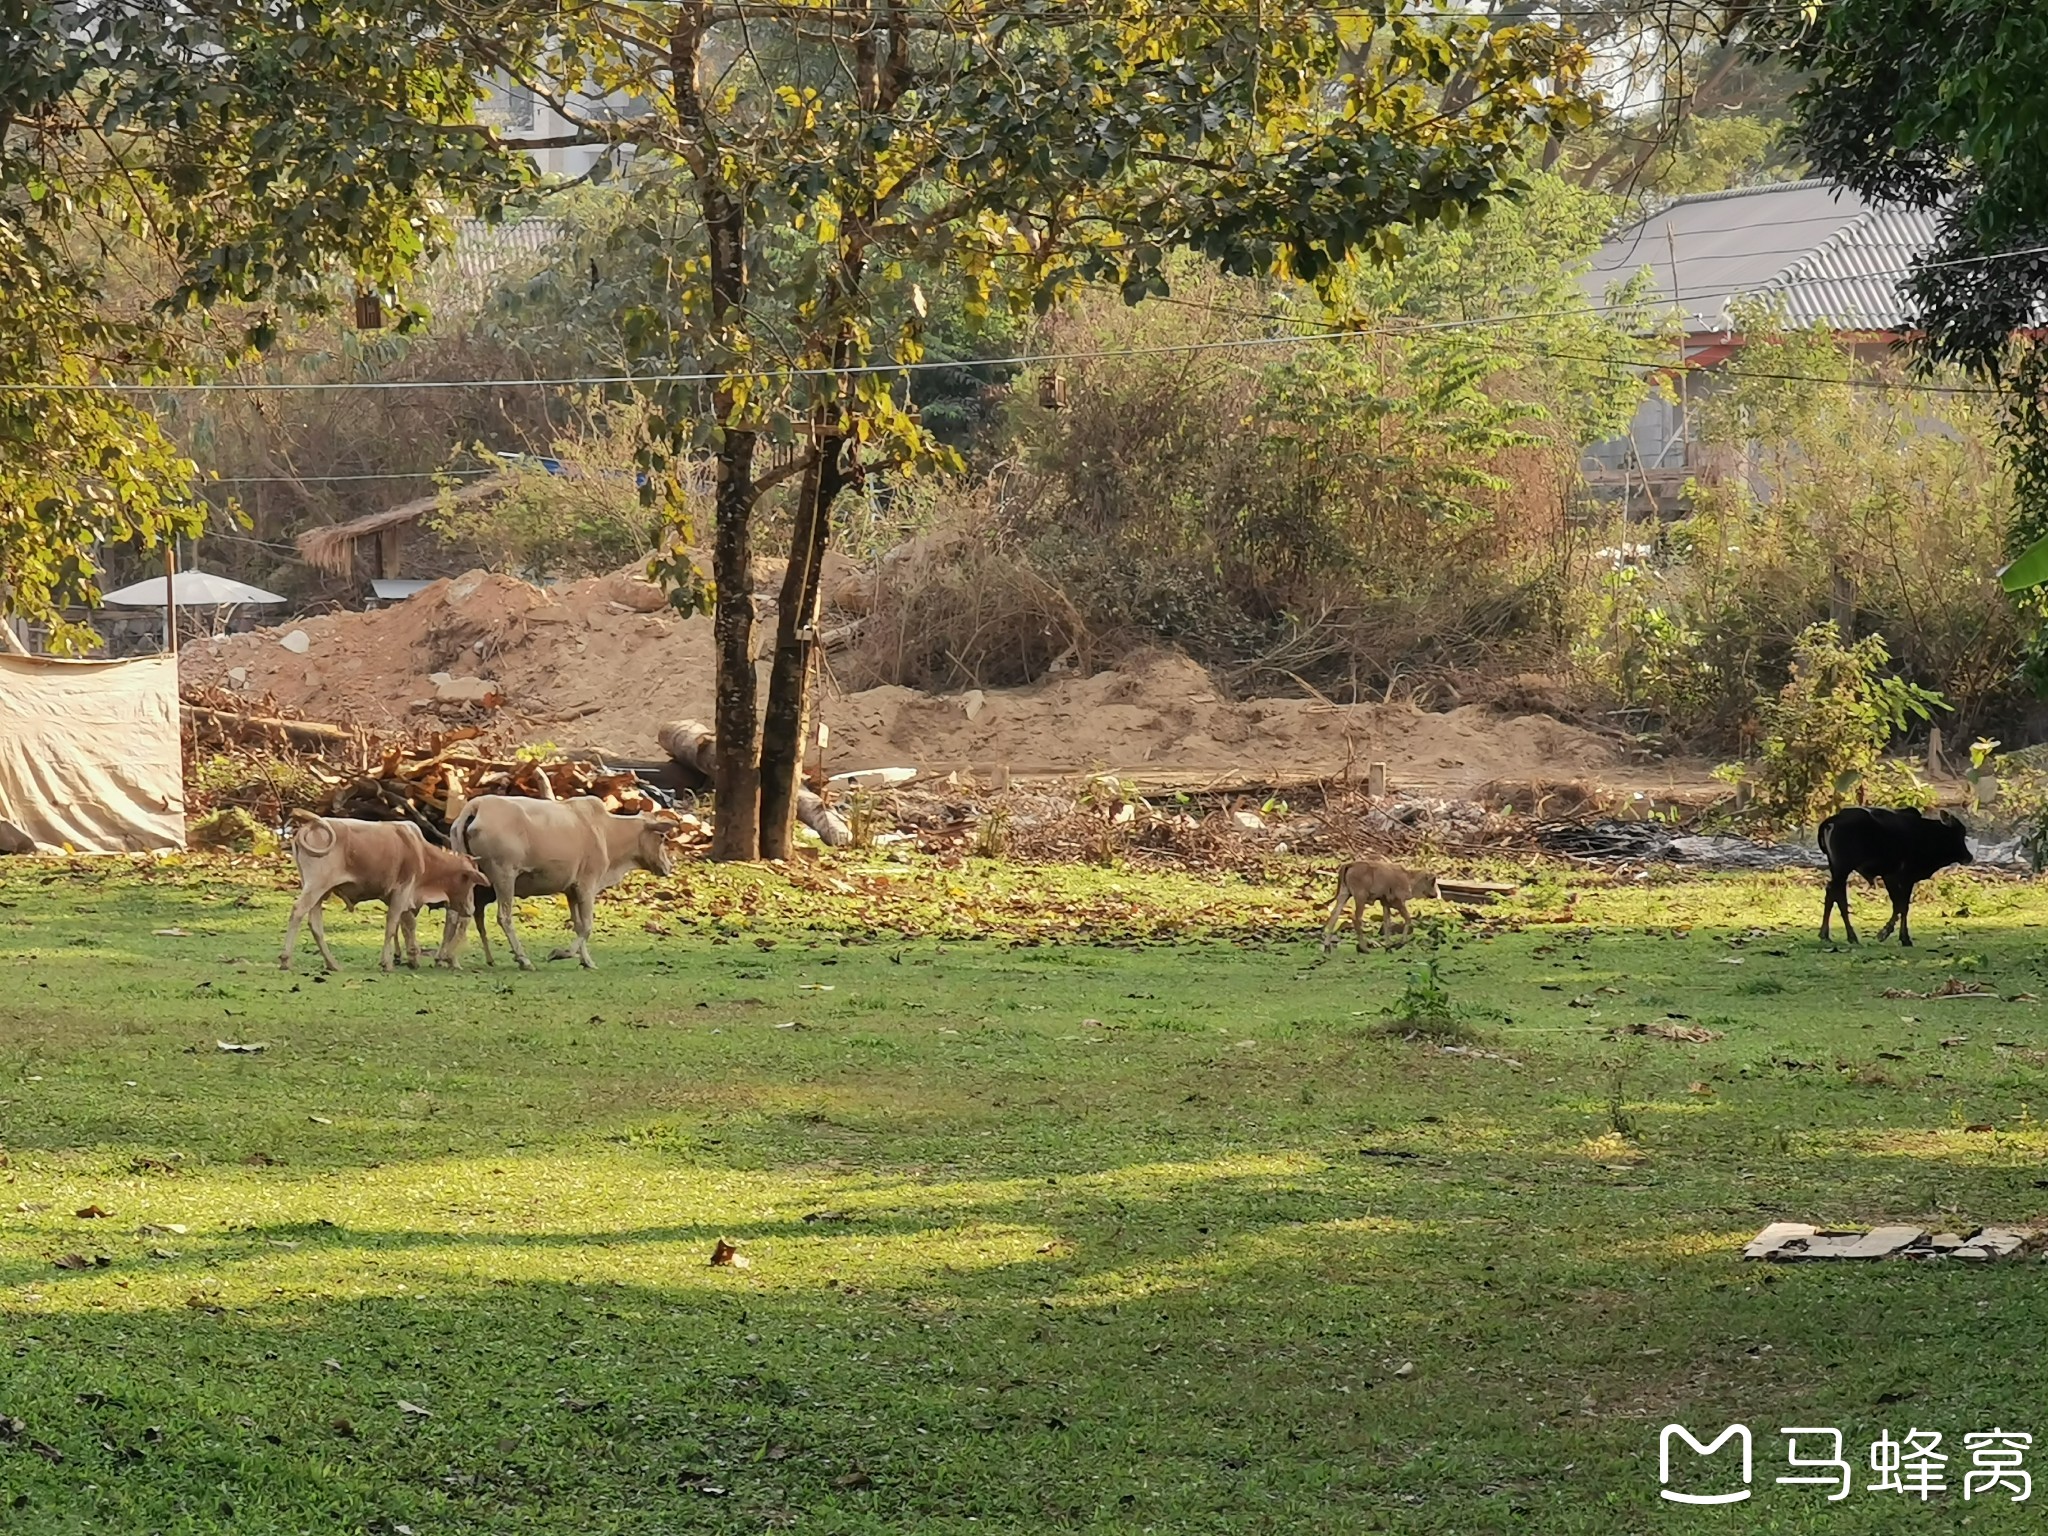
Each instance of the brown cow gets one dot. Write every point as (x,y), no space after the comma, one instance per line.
(573,848)
(1374,880)
(387,861)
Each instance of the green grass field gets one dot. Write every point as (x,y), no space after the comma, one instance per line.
(1069,1200)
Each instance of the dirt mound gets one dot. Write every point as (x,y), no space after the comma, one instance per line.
(600,664)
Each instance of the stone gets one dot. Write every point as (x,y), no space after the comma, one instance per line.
(465,690)
(298,642)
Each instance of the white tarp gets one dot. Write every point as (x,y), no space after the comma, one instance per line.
(89,753)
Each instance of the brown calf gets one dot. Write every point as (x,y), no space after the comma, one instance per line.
(1371,880)
(387,861)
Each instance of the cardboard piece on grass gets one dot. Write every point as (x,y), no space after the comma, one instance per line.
(1796,1242)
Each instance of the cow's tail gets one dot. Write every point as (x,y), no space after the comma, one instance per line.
(458,830)
(311,834)
(1825,836)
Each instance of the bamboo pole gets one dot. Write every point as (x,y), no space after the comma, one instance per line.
(170,596)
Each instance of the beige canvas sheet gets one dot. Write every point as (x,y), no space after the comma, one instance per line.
(89,753)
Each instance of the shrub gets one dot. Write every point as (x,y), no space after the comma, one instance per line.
(268,788)
(1828,725)
(586,520)
(1835,492)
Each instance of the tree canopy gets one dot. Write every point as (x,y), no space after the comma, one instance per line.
(169,177)
(1937,104)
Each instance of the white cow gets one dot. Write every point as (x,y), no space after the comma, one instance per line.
(387,861)
(574,848)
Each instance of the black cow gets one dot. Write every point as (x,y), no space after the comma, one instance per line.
(1901,848)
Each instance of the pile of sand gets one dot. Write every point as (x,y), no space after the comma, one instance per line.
(601,664)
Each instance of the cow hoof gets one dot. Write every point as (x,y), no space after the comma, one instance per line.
(562,954)
(526,965)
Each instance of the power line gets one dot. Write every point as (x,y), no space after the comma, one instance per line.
(410,474)
(1018,360)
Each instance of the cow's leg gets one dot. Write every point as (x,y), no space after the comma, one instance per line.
(481,912)
(408,927)
(1838,891)
(394,920)
(1336,917)
(452,926)
(1892,922)
(308,903)
(1901,892)
(582,913)
(503,885)
(320,937)
(1358,922)
(1407,922)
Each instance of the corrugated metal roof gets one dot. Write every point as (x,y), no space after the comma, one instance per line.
(483,250)
(1833,258)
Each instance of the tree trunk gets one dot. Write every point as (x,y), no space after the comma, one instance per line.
(1842,599)
(737,787)
(796,642)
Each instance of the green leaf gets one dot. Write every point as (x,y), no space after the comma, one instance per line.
(2029,570)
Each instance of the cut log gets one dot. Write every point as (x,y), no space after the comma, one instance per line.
(1474,893)
(694,748)
(306,730)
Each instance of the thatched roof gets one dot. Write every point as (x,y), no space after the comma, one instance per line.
(333,548)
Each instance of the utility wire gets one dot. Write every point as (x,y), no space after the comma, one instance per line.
(1024,359)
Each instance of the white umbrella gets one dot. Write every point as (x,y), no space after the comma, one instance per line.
(193,589)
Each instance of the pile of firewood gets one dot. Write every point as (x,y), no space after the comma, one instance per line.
(425,780)
(429,785)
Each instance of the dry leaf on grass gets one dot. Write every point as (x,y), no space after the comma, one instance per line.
(80,1261)
(725,1256)
(92,1213)
(1666,1029)
(414,1410)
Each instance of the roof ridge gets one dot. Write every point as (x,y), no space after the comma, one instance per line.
(1805,184)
